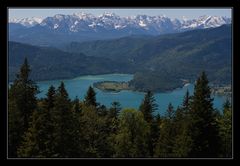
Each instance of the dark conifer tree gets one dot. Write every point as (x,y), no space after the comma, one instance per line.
(30,145)
(204,130)
(23,101)
(64,125)
(155,133)
(183,141)
(182,114)
(148,106)
(225,124)
(50,99)
(27,100)
(38,139)
(45,133)
(170,112)
(77,128)
(90,98)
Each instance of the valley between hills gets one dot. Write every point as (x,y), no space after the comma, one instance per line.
(159,63)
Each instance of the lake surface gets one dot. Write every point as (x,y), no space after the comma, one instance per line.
(128,99)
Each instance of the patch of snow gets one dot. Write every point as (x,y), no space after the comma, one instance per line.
(142,24)
(76,22)
(55,26)
(92,25)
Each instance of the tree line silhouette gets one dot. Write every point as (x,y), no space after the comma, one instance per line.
(58,127)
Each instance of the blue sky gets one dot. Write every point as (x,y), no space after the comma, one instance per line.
(189,13)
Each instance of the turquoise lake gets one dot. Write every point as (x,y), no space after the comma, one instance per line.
(128,99)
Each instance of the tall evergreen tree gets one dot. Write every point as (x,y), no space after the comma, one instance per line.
(182,118)
(47,128)
(76,128)
(27,100)
(38,139)
(225,124)
(15,127)
(183,141)
(30,146)
(22,100)
(64,125)
(50,99)
(90,98)
(154,134)
(148,106)
(203,130)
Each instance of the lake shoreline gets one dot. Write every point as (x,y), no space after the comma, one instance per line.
(128,98)
(216,90)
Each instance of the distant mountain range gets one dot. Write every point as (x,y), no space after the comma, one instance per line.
(27,22)
(158,63)
(79,27)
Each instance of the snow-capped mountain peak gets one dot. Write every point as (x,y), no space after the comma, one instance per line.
(206,22)
(184,19)
(81,22)
(83,15)
(59,16)
(108,14)
(28,22)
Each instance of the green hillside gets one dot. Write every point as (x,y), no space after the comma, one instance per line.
(159,63)
(167,59)
(50,63)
